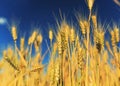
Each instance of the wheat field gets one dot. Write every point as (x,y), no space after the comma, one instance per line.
(76,58)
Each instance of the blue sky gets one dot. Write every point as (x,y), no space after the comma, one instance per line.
(40,13)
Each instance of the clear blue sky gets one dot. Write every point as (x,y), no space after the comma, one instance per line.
(40,13)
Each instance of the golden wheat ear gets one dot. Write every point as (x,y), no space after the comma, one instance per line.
(94,20)
(12,64)
(22,41)
(14,33)
(33,37)
(90,3)
(116,31)
(39,39)
(51,35)
(37,43)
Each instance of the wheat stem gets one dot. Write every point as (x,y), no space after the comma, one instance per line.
(88,33)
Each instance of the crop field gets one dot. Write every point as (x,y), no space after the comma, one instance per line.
(80,56)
